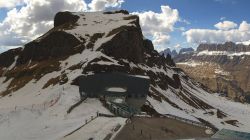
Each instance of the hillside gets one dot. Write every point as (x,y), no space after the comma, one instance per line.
(223,68)
(39,81)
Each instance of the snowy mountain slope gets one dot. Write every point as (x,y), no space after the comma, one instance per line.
(39,82)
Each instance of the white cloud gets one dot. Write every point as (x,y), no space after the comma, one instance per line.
(100,5)
(225,25)
(160,38)
(222,18)
(244,26)
(240,34)
(4,48)
(177,46)
(10,3)
(34,18)
(158,25)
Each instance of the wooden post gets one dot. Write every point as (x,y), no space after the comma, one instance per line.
(133,127)
(141,131)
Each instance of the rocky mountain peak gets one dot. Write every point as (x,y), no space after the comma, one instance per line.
(167,51)
(227,46)
(186,50)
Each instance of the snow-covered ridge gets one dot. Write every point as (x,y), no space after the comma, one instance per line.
(91,23)
(206,52)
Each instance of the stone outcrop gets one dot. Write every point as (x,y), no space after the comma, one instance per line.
(64,17)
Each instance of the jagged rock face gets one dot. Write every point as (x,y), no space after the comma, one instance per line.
(56,44)
(64,17)
(120,46)
(148,45)
(167,51)
(227,46)
(8,57)
(231,58)
(186,50)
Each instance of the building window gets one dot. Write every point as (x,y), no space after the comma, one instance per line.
(116,89)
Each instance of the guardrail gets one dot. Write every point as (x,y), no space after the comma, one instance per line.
(75,105)
(87,121)
(186,120)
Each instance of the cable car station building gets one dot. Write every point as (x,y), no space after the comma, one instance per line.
(122,92)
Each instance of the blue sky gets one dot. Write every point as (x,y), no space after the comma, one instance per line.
(200,13)
(195,20)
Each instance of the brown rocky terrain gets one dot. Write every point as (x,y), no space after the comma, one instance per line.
(228,72)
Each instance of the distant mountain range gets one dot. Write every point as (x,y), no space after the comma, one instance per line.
(174,53)
(223,68)
(168,51)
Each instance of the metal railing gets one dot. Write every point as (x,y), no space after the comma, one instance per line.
(87,121)
(195,123)
(118,110)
